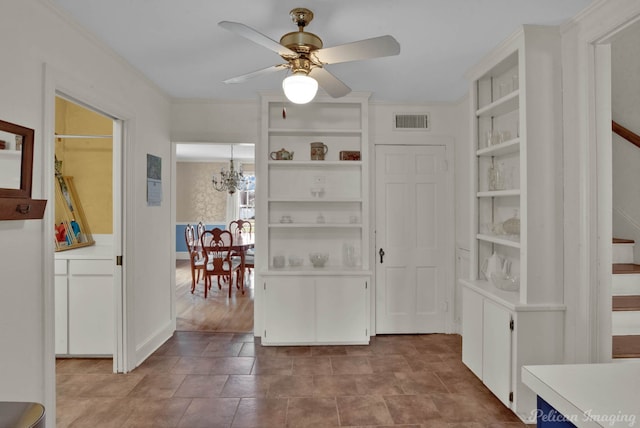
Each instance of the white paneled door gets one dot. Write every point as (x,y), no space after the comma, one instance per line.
(411,258)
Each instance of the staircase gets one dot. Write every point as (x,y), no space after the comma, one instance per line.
(626,301)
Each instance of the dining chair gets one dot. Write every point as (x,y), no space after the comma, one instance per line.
(219,261)
(238,227)
(195,255)
(201,228)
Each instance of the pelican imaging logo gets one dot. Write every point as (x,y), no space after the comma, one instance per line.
(618,419)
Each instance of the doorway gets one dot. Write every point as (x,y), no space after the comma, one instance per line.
(198,201)
(88,281)
(618,64)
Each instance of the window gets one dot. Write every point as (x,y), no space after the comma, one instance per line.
(248,199)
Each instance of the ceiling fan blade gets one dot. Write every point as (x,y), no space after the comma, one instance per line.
(257,37)
(364,49)
(245,77)
(330,83)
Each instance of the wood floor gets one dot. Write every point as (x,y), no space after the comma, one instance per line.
(215,313)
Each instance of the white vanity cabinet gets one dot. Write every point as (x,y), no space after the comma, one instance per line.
(84,303)
(311,205)
(331,309)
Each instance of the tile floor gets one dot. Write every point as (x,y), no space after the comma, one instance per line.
(204,379)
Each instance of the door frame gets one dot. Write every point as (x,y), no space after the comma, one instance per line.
(603,135)
(57,83)
(448,227)
(587,165)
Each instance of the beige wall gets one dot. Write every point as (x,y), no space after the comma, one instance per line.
(88,161)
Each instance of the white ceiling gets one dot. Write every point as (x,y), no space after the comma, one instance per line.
(178,45)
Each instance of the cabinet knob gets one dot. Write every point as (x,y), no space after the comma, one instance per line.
(381,252)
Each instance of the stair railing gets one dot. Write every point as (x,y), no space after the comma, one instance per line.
(628,135)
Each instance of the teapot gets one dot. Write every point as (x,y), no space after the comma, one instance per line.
(281,154)
(492,264)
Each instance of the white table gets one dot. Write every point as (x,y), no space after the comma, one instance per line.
(589,395)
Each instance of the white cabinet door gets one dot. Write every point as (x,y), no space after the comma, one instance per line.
(341,308)
(472,307)
(91,310)
(496,360)
(289,310)
(61,307)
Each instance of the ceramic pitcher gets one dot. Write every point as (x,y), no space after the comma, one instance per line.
(318,150)
(491,265)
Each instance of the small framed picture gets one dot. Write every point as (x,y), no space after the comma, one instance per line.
(350,155)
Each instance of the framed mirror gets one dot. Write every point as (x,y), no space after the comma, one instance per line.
(16,168)
(16,160)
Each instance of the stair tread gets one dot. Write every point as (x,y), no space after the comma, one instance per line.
(626,303)
(626,346)
(622,268)
(623,241)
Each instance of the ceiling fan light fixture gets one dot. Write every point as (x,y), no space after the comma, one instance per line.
(300,88)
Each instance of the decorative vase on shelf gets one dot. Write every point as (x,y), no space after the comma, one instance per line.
(511,226)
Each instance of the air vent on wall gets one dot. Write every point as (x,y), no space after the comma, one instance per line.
(411,122)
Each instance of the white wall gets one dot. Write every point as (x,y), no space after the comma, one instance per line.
(219,121)
(462,132)
(239,122)
(449,126)
(32,34)
(625,94)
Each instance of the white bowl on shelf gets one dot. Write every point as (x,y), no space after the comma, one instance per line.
(295,261)
(505,281)
(318,260)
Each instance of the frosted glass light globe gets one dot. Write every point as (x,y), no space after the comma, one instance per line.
(300,88)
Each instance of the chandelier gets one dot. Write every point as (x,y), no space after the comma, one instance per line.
(231,180)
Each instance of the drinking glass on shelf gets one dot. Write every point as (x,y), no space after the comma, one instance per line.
(278,262)
(491,175)
(496,179)
(505,136)
(349,255)
(500,181)
(489,138)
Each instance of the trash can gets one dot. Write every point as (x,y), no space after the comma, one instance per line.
(16,414)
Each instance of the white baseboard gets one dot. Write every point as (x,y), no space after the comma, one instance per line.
(152,343)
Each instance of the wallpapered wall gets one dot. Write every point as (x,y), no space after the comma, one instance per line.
(88,160)
(196,199)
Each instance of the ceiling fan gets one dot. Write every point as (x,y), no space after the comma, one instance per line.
(306,58)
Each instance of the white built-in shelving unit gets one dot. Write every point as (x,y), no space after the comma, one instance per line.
(313,206)
(516,96)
